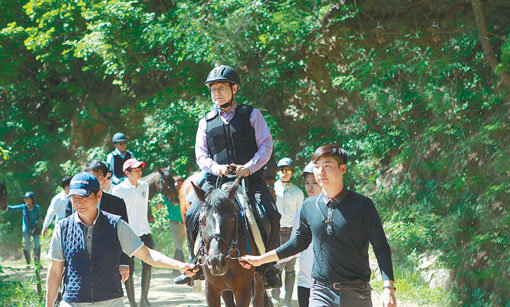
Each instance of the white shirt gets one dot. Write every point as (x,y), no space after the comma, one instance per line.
(289,198)
(56,209)
(137,202)
(304,277)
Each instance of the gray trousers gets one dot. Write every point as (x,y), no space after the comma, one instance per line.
(324,296)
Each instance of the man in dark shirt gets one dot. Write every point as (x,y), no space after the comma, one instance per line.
(340,224)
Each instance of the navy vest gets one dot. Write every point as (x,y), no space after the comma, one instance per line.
(118,163)
(92,278)
(233,142)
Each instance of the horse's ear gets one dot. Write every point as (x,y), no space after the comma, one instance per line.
(198,192)
(231,191)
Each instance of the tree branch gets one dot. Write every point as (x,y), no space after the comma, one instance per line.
(484,40)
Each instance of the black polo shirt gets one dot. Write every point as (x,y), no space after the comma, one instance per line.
(343,255)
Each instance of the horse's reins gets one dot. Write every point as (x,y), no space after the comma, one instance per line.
(232,252)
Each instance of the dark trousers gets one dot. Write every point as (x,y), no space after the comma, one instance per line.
(303,295)
(324,296)
(257,190)
(146,272)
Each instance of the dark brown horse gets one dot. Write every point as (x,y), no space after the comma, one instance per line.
(224,238)
(162,181)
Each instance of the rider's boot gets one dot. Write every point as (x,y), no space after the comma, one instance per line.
(289,287)
(190,281)
(130,289)
(271,276)
(27,257)
(146,281)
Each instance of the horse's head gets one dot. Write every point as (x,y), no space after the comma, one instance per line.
(166,184)
(219,219)
(3,195)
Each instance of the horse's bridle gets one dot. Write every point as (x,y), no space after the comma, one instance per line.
(232,252)
(161,185)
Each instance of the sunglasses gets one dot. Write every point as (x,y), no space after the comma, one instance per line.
(285,170)
(122,143)
(109,177)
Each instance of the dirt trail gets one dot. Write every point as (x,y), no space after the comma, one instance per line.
(163,291)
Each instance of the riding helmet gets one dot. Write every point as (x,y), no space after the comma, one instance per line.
(286,162)
(119,137)
(308,169)
(223,73)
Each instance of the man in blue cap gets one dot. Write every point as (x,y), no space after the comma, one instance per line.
(90,243)
(32,222)
(117,157)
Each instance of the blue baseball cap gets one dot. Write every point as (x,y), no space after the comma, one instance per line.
(83,184)
(29,194)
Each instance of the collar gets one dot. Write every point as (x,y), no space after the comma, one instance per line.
(335,201)
(117,151)
(129,184)
(77,218)
(231,111)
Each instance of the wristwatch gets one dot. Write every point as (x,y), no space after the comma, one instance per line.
(389,287)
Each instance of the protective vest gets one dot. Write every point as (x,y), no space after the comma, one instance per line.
(118,162)
(92,278)
(233,142)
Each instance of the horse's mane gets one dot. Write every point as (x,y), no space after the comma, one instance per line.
(218,199)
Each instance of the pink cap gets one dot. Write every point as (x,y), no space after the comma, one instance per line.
(132,163)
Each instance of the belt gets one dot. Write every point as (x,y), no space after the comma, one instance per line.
(285,228)
(346,285)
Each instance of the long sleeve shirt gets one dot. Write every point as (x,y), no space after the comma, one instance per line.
(262,137)
(29,216)
(57,209)
(341,256)
(289,198)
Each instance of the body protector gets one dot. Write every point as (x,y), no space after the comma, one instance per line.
(233,142)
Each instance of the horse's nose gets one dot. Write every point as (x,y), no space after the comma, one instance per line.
(218,264)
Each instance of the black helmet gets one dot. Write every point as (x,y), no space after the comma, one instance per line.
(223,73)
(119,137)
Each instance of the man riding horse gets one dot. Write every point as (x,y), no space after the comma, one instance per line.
(234,136)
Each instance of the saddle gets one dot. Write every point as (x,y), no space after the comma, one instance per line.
(255,214)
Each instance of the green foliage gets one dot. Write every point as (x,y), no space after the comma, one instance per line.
(14,293)
(404,87)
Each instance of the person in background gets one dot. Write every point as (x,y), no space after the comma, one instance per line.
(118,157)
(109,178)
(135,193)
(89,245)
(57,208)
(32,221)
(289,199)
(304,277)
(340,224)
(176,225)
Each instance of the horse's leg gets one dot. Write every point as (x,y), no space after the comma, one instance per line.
(228,298)
(212,296)
(243,296)
(260,297)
